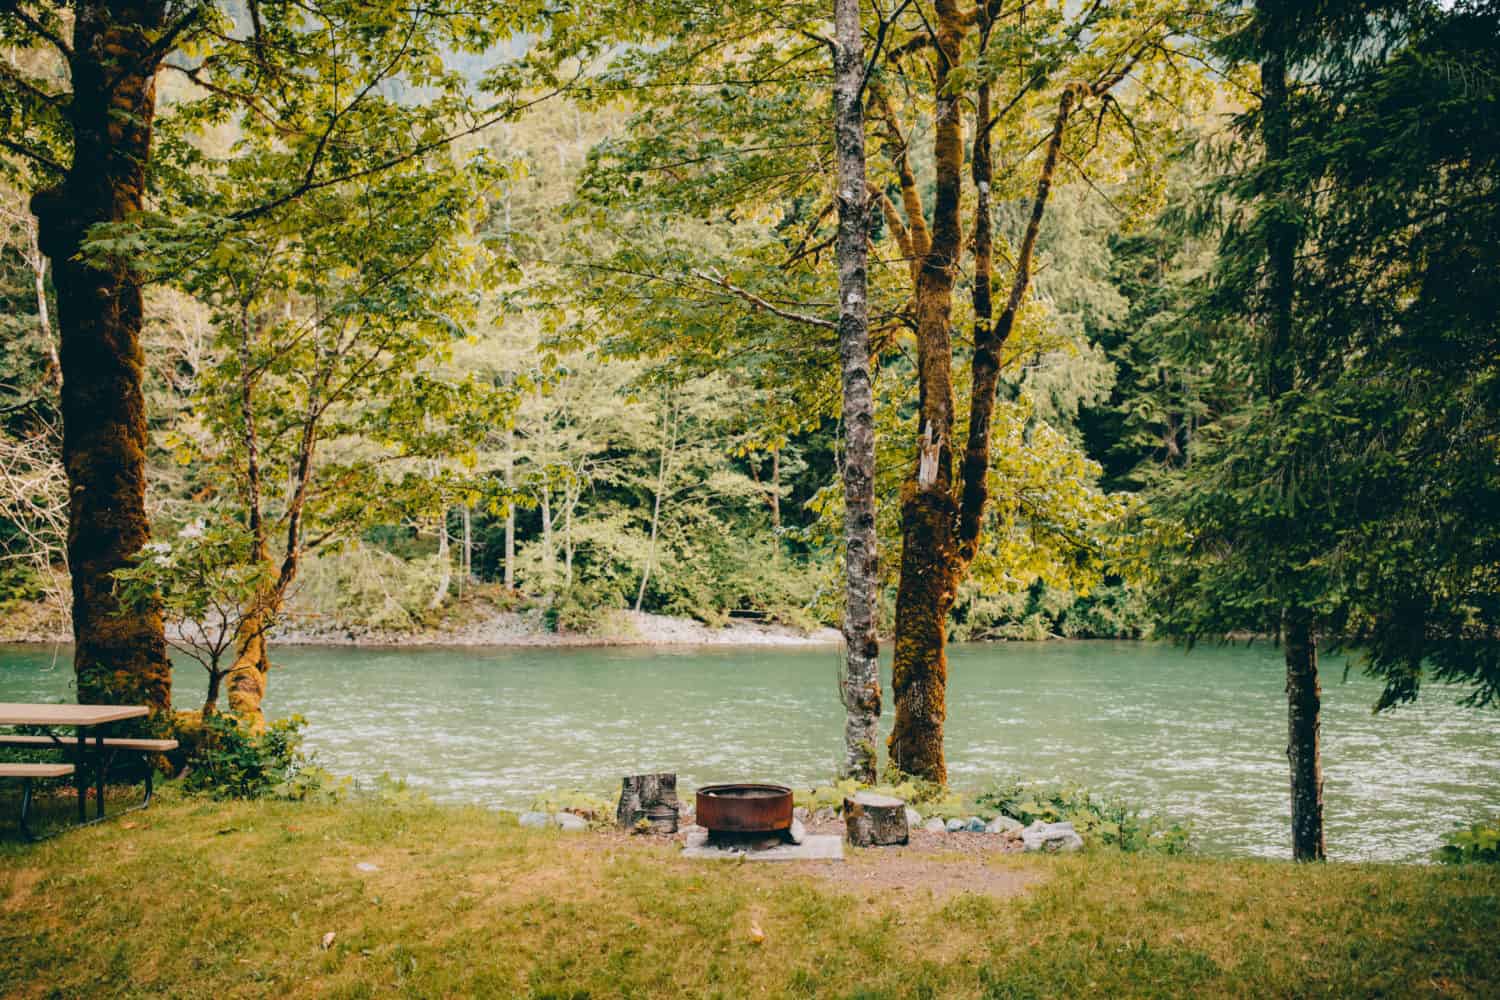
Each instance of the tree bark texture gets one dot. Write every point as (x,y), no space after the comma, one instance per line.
(942,520)
(117,658)
(929,572)
(1303,752)
(649,797)
(860,685)
(872,820)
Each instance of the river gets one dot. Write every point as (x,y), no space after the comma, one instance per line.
(1194,736)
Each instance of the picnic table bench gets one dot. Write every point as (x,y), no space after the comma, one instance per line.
(92,750)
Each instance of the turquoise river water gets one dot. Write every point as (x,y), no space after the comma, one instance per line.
(1194,736)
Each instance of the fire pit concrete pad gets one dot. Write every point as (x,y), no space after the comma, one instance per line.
(816,847)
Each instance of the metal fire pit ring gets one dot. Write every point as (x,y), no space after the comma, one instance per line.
(745,807)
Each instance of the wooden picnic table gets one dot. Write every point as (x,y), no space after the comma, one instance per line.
(86,721)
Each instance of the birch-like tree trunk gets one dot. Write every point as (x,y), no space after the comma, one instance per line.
(510,508)
(859,687)
(445,565)
(663,467)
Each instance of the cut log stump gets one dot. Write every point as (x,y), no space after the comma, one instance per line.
(649,797)
(872,820)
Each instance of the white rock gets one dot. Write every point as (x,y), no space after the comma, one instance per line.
(954,825)
(1003,824)
(571,823)
(796,833)
(366,866)
(913,818)
(935,825)
(534,820)
(1051,837)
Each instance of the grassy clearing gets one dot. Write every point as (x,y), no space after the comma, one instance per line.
(200,899)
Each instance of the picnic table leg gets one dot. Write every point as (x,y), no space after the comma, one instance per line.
(26,809)
(99,772)
(80,775)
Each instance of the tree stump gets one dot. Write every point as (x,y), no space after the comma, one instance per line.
(872,820)
(649,797)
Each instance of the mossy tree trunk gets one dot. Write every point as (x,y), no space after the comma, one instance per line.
(929,573)
(113,57)
(248,674)
(941,519)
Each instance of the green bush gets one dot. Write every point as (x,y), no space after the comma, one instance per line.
(1108,822)
(1479,842)
(582,608)
(231,762)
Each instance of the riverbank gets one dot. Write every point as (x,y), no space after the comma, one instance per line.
(195,898)
(478,623)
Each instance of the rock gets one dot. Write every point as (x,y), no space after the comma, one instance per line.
(935,825)
(954,825)
(1051,837)
(974,824)
(366,866)
(796,833)
(872,820)
(571,823)
(535,820)
(825,815)
(1003,824)
(328,939)
(801,814)
(913,818)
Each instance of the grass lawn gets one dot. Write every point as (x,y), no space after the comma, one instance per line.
(202,899)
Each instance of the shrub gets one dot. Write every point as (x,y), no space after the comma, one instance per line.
(1108,822)
(231,762)
(1479,842)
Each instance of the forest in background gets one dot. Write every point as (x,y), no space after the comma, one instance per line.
(621,476)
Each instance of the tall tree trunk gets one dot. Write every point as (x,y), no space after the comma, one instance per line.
(776,452)
(117,658)
(929,572)
(252,665)
(860,687)
(663,465)
(1304,708)
(941,536)
(510,508)
(37,261)
(549,555)
(1304,700)
(571,495)
(445,565)
(468,553)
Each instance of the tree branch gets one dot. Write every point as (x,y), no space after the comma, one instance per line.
(719,280)
(36,27)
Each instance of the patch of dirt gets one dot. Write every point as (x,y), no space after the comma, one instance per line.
(879,873)
(935,865)
(941,865)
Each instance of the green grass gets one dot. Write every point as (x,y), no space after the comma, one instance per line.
(201,899)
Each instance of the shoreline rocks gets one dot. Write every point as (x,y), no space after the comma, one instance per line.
(1051,838)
